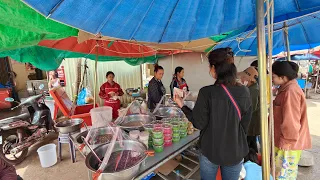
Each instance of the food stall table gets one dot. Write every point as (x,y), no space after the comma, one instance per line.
(152,163)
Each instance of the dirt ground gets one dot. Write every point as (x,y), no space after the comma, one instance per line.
(31,169)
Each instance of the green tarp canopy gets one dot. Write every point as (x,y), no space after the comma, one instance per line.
(50,59)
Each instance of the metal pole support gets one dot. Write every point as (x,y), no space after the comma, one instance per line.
(262,66)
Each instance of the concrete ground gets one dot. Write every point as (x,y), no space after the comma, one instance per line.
(30,169)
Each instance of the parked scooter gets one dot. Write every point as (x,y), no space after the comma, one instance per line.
(20,132)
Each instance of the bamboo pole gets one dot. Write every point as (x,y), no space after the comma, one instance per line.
(96,76)
(263,88)
(270,47)
(286,37)
(78,82)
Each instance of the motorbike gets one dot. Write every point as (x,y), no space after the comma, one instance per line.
(18,133)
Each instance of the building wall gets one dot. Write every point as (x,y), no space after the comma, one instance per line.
(196,68)
(22,75)
(126,75)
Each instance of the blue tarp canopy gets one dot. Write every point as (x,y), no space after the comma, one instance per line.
(162,20)
(303,33)
(300,57)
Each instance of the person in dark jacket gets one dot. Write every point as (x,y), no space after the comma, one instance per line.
(178,81)
(156,89)
(249,78)
(223,119)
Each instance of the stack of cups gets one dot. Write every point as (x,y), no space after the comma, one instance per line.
(144,137)
(167,133)
(134,135)
(149,128)
(176,132)
(183,128)
(157,139)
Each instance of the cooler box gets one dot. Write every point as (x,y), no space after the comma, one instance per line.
(5,93)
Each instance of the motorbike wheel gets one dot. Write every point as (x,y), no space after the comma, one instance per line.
(7,140)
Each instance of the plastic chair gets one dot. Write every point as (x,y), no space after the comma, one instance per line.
(63,102)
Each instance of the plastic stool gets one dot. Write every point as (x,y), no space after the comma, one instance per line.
(64,139)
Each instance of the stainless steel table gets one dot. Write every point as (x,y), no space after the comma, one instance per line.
(152,163)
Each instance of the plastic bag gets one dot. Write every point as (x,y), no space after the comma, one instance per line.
(84,97)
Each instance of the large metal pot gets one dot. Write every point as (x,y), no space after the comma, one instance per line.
(167,112)
(126,174)
(135,121)
(68,126)
(95,132)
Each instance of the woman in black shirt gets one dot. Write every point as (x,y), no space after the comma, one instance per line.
(222,113)
(156,89)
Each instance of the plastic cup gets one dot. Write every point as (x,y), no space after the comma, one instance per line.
(177,135)
(157,133)
(167,128)
(167,136)
(157,125)
(144,136)
(168,142)
(175,126)
(184,124)
(158,148)
(183,134)
(148,127)
(158,142)
(175,139)
(134,134)
(183,129)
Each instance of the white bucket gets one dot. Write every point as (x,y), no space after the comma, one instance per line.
(47,155)
(101,116)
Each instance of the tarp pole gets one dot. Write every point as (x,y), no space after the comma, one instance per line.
(262,67)
(315,89)
(96,76)
(286,37)
(270,48)
(307,76)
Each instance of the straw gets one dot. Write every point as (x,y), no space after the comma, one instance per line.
(120,119)
(109,151)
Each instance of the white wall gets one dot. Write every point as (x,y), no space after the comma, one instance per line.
(196,68)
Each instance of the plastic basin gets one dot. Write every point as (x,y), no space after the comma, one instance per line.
(47,155)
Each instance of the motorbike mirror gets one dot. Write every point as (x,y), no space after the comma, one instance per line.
(9,99)
(41,86)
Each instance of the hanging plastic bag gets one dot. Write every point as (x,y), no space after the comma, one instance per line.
(84,97)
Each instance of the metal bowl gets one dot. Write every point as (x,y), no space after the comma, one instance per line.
(129,173)
(68,126)
(96,132)
(136,121)
(168,112)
